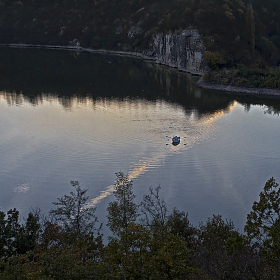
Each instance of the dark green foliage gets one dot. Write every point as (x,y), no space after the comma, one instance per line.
(262,227)
(224,253)
(250,25)
(154,209)
(246,77)
(73,213)
(263,223)
(230,27)
(214,60)
(268,50)
(123,211)
(265,214)
(166,246)
(178,224)
(141,253)
(16,238)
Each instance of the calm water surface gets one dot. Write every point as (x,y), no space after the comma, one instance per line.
(78,116)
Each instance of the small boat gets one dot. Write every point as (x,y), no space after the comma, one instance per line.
(175,140)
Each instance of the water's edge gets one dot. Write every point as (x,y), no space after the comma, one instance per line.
(99,51)
(238,90)
(201,82)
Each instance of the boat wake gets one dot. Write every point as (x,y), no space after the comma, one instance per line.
(202,130)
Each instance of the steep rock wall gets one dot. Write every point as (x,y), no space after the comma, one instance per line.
(183,50)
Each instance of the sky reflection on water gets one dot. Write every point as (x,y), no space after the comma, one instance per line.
(52,133)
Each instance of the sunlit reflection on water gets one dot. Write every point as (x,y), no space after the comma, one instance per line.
(23,188)
(191,131)
(130,134)
(59,123)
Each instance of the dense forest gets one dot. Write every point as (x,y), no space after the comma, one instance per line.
(146,240)
(234,31)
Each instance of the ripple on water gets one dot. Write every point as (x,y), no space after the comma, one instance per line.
(111,136)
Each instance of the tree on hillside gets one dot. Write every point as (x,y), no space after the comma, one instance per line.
(250,25)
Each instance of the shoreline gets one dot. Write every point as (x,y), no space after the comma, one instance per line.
(100,51)
(245,91)
(248,91)
(77,48)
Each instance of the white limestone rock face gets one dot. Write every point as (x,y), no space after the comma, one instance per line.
(183,50)
(134,30)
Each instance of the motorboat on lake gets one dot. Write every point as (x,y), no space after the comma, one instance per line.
(175,140)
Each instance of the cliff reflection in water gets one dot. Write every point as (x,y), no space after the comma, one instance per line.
(34,75)
(191,134)
(118,84)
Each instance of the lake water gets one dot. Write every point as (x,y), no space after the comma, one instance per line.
(78,116)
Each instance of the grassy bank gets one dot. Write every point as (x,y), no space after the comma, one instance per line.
(245,77)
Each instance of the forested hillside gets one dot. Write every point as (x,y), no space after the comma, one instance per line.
(234,31)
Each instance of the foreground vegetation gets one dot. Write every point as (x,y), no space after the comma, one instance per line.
(146,242)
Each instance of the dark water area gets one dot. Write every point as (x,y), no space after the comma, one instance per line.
(67,115)
(65,74)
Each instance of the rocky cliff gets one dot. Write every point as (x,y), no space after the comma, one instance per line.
(183,50)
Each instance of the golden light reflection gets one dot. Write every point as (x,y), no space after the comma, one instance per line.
(15,98)
(217,115)
(103,194)
(156,118)
(206,121)
(136,172)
